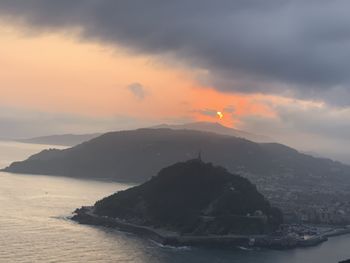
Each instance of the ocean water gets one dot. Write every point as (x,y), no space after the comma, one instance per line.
(35,227)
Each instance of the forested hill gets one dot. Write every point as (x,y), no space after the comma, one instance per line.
(136,155)
(194,197)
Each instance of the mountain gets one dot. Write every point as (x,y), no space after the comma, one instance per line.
(216,127)
(63,139)
(301,185)
(194,198)
(136,155)
(75,139)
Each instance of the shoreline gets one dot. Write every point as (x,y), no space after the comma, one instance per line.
(86,215)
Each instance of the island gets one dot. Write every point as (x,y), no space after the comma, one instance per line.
(192,203)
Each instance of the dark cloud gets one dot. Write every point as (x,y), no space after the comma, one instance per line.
(300,48)
(137,90)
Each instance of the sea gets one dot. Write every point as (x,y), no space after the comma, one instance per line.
(35,226)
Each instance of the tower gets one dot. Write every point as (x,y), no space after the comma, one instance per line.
(200,155)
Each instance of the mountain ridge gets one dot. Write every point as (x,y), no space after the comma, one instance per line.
(285,176)
(113,155)
(216,127)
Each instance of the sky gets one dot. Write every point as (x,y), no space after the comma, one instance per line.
(277,68)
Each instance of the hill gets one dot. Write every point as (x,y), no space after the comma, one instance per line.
(113,155)
(194,198)
(75,139)
(302,185)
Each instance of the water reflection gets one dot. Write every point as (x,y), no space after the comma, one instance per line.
(34,228)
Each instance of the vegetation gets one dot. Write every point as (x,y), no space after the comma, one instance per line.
(113,155)
(194,197)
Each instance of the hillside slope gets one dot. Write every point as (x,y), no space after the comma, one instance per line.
(216,127)
(136,155)
(194,197)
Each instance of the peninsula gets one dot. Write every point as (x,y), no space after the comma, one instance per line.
(189,203)
(197,203)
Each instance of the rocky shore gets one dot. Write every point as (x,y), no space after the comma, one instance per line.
(86,215)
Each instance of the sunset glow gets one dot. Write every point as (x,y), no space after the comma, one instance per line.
(220,115)
(187,123)
(93,82)
(88,86)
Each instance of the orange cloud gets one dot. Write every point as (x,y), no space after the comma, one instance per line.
(55,73)
(241,104)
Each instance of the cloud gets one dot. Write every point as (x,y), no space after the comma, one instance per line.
(214,113)
(230,109)
(316,128)
(208,112)
(300,48)
(137,90)
(320,120)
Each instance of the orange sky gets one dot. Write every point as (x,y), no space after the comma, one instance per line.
(57,73)
(48,76)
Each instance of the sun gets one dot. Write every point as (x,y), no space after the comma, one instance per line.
(220,115)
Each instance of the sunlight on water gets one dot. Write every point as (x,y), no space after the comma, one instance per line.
(34,227)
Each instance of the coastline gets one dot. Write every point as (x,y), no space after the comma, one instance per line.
(86,215)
